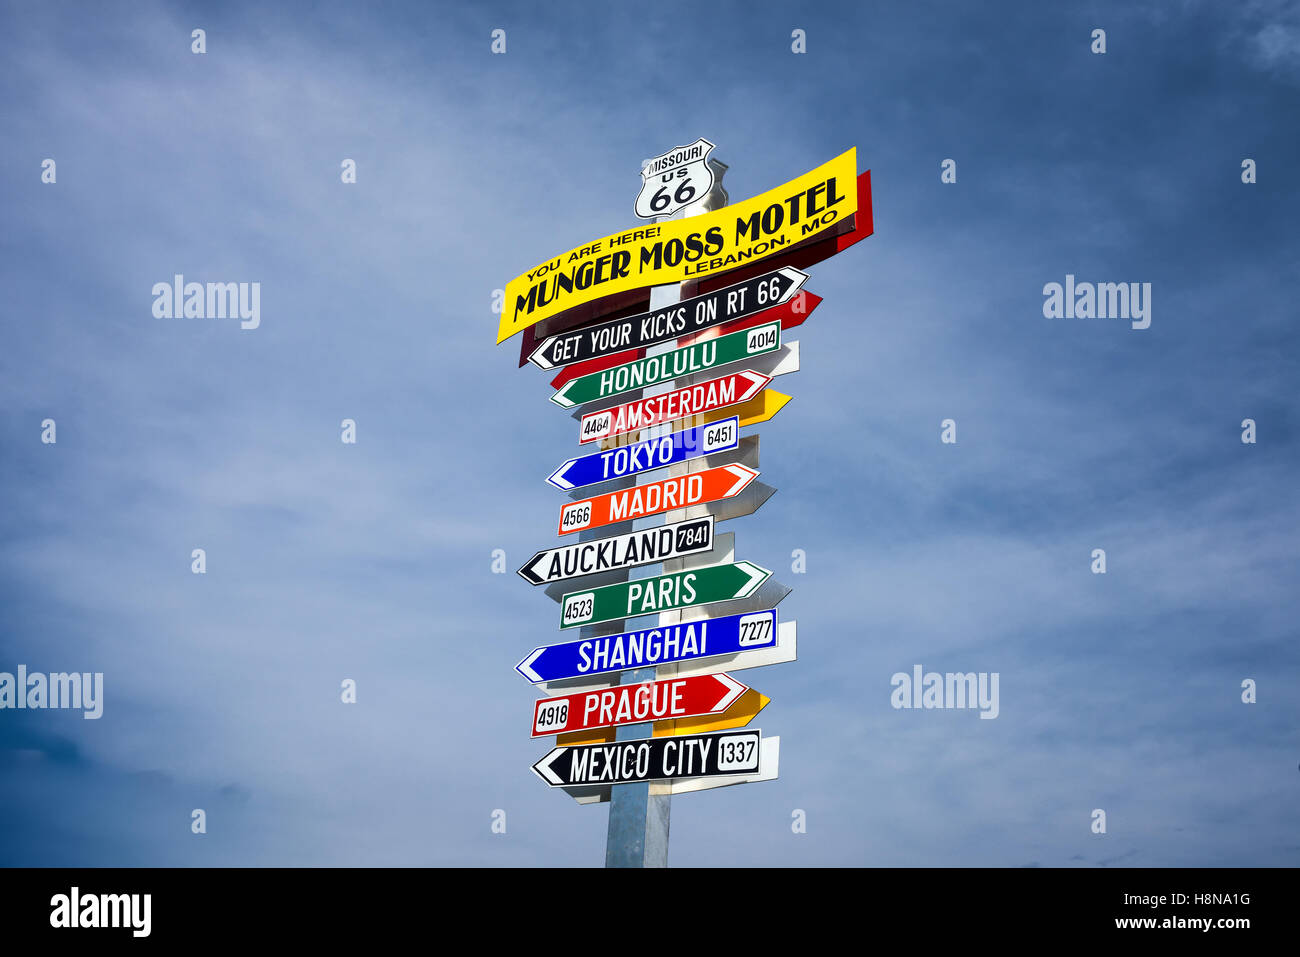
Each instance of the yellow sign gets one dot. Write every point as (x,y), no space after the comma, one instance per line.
(758,409)
(683,249)
(742,711)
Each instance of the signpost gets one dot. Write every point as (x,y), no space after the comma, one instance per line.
(650,759)
(646,596)
(646,713)
(636,704)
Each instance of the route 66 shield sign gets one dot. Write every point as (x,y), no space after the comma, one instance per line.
(675,180)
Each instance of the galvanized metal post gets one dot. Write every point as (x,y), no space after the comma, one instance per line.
(639,814)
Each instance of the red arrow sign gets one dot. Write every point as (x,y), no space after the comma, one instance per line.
(694,488)
(636,704)
(691,400)
(790,314)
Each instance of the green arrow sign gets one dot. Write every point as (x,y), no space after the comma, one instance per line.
(645,596)
(652,370)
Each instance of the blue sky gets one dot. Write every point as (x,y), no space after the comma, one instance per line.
(372,561)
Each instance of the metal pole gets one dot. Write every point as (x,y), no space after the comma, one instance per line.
(639,814)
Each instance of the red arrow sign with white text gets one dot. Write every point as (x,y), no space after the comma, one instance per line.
(636,704)
(691,400)
(694,488)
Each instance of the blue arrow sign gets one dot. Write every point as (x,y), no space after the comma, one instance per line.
(648,454)
(652,646)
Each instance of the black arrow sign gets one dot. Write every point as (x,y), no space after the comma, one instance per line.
(740,301)
(620,551)
(653,759)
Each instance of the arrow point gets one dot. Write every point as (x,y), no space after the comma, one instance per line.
(734,690)
(757,381)
(526,570)
(796,276)
(543,767)
(561,397)
(776,401)
(744,475)
(757,575)
(538,357)
(525,667)
(557,477)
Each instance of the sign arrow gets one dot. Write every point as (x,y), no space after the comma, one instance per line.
(662,644)
(643,596)
(733,302)
(653,498)
(768,768)
(698,398)
(758,409)
(746,503)
(770,594)
(762,407)
(620,551)
(790,314)
(723,553)
(649,454)
(742,711)
(782,651)
(653,759)
(781,361)
(666,366)
(664,700)
(746,453)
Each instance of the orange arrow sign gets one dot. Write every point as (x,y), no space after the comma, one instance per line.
(682,491)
